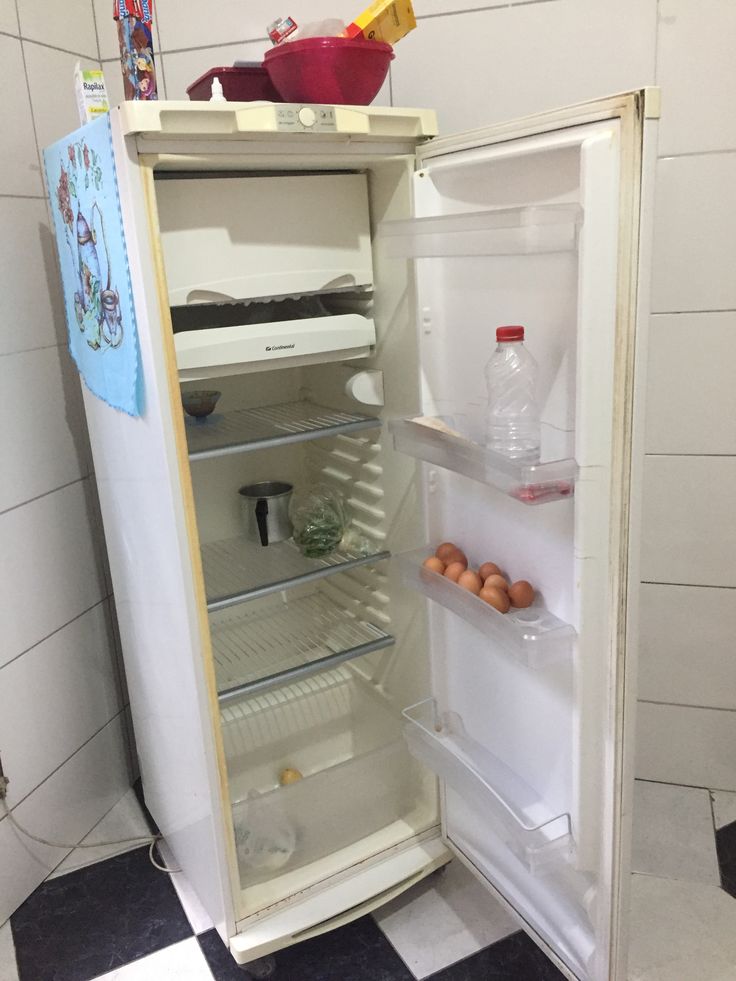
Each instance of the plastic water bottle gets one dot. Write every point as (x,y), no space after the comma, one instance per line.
(512,420)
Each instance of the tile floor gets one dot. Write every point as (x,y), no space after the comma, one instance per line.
(118,919)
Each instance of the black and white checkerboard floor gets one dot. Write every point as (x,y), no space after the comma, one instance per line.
(121,920)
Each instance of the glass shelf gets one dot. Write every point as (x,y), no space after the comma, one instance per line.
(530,483)
(504,231)
(533,636)
(537,835)
(236,570)
(279,640)
(269,426)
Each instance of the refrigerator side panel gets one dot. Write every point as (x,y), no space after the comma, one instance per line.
(149,533)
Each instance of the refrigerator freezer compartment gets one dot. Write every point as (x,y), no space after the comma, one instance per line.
(535,833)
(357,775)
(236,570)
(436,441)
(259,646)
(268,426)
(214,351)
(533,636)
(525,230)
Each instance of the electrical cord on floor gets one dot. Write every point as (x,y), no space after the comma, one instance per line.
(143,839)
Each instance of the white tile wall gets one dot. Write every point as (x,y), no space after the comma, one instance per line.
(107,31)
(695,234)
(114,81)
(492,65)
(63,808)
(32,309)
(690,746)
(184,68)
(689,532)
(20,172)
(66,25)
(50,75)
(697,71)
(691,399)
(687,645)
(50,571)
(44,441)
(8,17)
(64,691)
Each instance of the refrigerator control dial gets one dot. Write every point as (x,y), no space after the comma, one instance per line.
(307,116)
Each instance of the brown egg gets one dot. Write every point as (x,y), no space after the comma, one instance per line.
(471,581)
(459,556)
(497,598)
(445,550)
(521,594)
(290,775)
(434,564)
(488,569)
(498,582)
(454,571)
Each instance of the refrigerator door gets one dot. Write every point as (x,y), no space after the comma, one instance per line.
(538,224)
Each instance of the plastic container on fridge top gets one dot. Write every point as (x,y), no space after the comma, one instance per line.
(329,70)
(242,83)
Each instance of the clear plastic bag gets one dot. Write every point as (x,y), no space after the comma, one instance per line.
(264,836)
(320,520)
(318,28)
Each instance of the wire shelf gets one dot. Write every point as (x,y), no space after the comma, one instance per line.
(268,426)
(236,570)
(256,648)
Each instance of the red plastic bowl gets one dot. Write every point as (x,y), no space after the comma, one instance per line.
(329,70)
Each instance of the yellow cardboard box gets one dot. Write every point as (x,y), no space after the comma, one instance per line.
(385,20)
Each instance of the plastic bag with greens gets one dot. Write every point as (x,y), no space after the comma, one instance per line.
(320,520)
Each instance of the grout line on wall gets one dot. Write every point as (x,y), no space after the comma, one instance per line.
(57,630)
(32,350)
(29,197)
(689,585)
(47,493)
(686,705)
(15,37)
(209,47)
(705,456)
(697,153)
(97,33)
(64,763)
(55,47)
(481,10)
(687,786)
(688,313)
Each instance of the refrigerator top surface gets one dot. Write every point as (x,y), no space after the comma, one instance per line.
(241,120)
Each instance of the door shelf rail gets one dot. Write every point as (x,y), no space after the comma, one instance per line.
(527,230)
(533,636)
(236,570)
(278,641)
(269,426)
(536,833)
(433,441)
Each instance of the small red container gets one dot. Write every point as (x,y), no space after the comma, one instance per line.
(242,84)
(329,70)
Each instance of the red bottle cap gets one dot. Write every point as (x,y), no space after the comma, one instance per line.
(510,333)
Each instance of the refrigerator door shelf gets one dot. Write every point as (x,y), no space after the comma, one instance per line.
(516,813)
(269,426)
(533,636)
(216,351)
(436,441)
(236,570)
(272,643)
(529,230)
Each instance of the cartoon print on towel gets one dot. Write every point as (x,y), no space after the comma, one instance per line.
(80,171)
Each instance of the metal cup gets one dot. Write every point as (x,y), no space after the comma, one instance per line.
(265,508)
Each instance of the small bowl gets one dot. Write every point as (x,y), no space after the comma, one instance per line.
(200,404)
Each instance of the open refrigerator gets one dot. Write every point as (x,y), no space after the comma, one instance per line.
(425,724)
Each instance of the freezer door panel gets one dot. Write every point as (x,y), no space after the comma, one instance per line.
(539,230)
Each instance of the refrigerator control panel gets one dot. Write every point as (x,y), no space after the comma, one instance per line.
(295,118)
